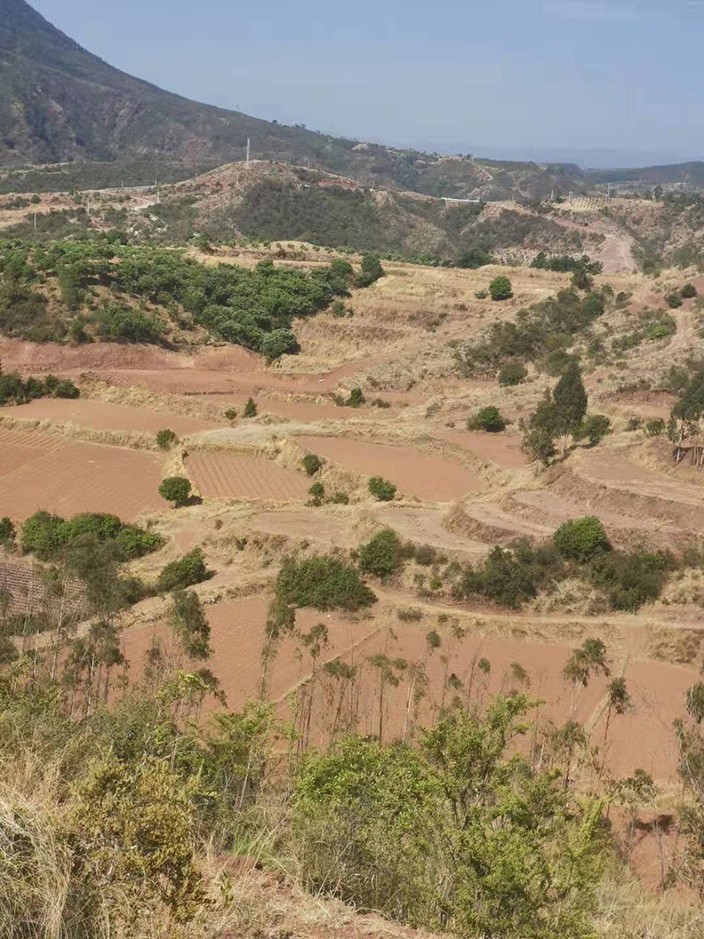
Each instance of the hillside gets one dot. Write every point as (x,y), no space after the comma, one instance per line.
(59,103)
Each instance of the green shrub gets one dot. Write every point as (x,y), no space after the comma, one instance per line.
(557,362)
(176,489)
(371,271)
(514,373)
(124,324)
(631,579)
(501,289)
(634,423)
(582,539)
(312,464)
(688,292)
(382,489)
(325,583)
(655,427)
(277,343)
(250,408)
(673,300)
(47,535)
(474,258)
(481,294)
(7,531)
(502,578)
(356,398)
(459,833)
(594,428)
(185,572)
(382,555)
(165,439)
(230,415)
(488,419)
(340,498)
(317,494)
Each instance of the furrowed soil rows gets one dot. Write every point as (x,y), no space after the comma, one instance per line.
(420,475)
(233,476)
(98,415)
(18,449)
(78,477)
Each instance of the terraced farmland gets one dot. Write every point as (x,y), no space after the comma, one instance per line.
(418,475)
(222,475)
(38,471)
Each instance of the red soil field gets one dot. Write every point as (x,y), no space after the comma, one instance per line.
(223,475)
(420,475)
(99,415)
(237,639)
(18,449)
(641,739)
(67,478)
(502,449)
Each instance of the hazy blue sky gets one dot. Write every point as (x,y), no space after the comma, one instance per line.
(621,79)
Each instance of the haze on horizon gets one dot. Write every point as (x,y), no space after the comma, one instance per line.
(598,82)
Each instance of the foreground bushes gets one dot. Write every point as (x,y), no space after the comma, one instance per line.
(459,834)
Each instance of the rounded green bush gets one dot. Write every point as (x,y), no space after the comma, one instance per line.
(582,539)
(312,464)
(501,288)
(166,439)
(488,419)
(513,374)
(382,489)
(382,555)
(176,489)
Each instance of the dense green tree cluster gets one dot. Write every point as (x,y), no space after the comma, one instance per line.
(579,549)
(566,264)
(13,390)
(325,583)
(46,535)
(253,308)
(535,333)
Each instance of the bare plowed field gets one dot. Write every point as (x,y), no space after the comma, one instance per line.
(237,639)
(233,476)
(501,449)
(479,668)
(76,477)
(18,449)
(99,415)
(420,475)
(642,738)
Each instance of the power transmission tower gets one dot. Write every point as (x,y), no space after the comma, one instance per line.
(249,149)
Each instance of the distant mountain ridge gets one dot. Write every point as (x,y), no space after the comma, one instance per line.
(62,104)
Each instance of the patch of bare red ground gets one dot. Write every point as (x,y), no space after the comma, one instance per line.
(100,415)
(43,472)
(640,739)
(421,475)
(502,449)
